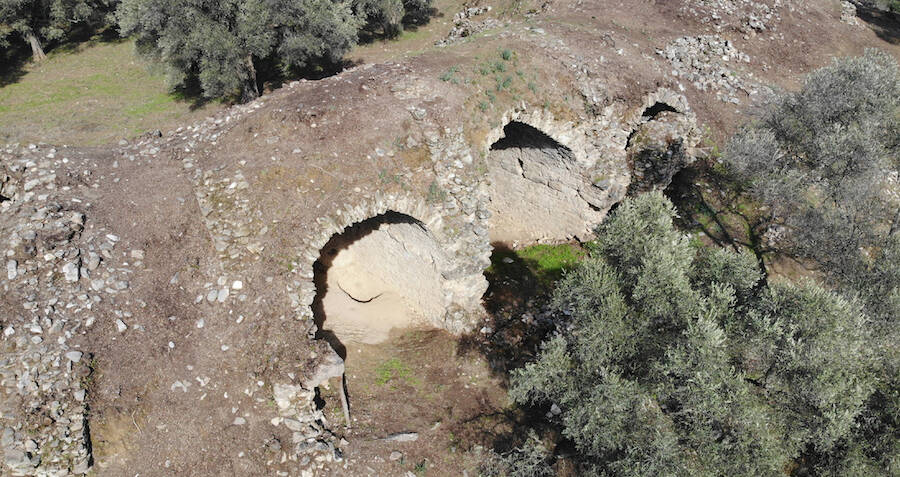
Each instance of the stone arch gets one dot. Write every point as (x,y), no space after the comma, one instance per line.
(661,142)
(380,273)
(539,183)
(462,282)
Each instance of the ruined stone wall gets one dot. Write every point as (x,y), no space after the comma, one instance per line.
(518,196)
(443,251)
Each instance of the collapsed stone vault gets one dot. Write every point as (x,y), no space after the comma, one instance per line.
(355,240)
(402,260)
(208,235)
(379,274)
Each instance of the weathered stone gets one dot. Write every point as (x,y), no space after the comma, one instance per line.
(70,271)
(328,365)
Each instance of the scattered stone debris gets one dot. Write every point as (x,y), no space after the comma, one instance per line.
(58,271)
(464,26)
(402,437)
(750,17)
(313,442)
(704,61)
(848,13)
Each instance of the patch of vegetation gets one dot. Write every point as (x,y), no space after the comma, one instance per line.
(91,94)
(549,262)
(449,75)
(387,178)
(421,468)
(680,361)
(394,371)
(436,195)
(503,82)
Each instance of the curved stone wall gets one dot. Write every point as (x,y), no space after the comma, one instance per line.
(379,274)
(556,186)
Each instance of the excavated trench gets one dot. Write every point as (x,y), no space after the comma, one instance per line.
(379,274)
(537,190)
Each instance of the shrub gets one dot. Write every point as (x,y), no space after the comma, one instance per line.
(820,159)
(529,460)
(677,360)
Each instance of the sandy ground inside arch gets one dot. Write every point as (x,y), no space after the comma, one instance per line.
(381,279)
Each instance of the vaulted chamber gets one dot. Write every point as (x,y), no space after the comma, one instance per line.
(376,275)
(538,192)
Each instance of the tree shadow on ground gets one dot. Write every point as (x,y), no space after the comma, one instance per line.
(14,61)
(373,32)
(271,75)
(518,321)
(708,201)
(12,65)
(885,24)
(515,299)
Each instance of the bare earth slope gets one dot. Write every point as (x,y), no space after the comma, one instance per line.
(159,298)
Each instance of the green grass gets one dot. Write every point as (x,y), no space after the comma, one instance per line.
(547,263)
(550,261)
(394,370)
(89,94)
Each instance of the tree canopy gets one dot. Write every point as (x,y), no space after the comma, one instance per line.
(825,160)
(675,359)
(221,43)
(39,21)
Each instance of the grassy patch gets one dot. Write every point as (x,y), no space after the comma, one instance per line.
(547,263)
(89,94)
(394,371)
(550,261)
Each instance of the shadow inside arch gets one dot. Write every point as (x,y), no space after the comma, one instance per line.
(517,134)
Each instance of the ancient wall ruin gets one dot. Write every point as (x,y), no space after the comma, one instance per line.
(404,260)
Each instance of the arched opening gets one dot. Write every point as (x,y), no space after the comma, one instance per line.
(536,190)
(653,111)
(377,275)
(656,148)
(381,303)
(544,205)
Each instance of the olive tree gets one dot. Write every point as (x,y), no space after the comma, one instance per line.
(675,359)
(219,43)
(825,160)
(389,14)
(39,21)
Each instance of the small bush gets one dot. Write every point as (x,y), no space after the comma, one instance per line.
(529,460)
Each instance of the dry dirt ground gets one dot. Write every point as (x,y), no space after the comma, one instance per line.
(187,387)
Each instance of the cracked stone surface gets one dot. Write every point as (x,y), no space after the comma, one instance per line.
(382,278)
(538,192)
